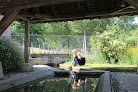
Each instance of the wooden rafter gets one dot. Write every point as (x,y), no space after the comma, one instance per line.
(22,18)
(96,16)
(133,3)
(53,10)
(27,14)
(125,8)
(9,17)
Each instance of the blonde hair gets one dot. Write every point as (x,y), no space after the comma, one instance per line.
(74,52)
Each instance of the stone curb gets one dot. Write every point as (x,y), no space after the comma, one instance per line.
(115,83)
(104,84)
(118,70)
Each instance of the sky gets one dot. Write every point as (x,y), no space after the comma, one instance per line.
(136,20)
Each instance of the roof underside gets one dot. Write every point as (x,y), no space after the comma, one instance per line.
(75,10)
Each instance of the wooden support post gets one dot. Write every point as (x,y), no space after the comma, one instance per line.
(8,18)
(43,48)
(26,50)
(32,46)
(39,49)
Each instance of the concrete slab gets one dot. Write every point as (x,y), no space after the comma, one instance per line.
(22,78)
(26,67)
(125,82)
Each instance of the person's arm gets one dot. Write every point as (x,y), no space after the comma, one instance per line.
(79,57)
(72,62)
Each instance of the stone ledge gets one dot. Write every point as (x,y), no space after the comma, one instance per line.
(104,84)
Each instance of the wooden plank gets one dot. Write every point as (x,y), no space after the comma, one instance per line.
(68,67)
(8,18)
(64,66)
(26,14)
(94,16)
(26,50)
(23,18)
(22,4)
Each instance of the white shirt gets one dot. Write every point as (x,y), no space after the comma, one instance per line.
(80,54)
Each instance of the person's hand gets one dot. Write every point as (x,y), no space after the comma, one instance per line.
(72,63)
(78,65)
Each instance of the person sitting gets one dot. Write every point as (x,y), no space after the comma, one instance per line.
(78,59)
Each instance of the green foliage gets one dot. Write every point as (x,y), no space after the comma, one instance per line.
(77,27)
(130,56)
(132,38)
(11,55)
(109,44)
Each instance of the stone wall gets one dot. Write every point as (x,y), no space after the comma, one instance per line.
(48,58)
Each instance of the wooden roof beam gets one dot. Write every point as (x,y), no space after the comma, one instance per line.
(123,9)
(26,14)
(98,15)
(23,18)
(133,3)
(8,18)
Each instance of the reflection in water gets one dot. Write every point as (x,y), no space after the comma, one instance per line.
(70,84)
(77,80)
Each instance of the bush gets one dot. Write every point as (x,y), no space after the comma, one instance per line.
(11,55)
(109,44)
(130,56)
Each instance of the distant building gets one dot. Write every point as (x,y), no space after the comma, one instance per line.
(7,32)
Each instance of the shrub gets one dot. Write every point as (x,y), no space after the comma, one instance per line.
(11,55)
(109,44)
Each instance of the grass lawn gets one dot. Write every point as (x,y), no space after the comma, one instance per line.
(101,66)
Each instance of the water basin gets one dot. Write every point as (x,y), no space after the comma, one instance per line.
(72,83)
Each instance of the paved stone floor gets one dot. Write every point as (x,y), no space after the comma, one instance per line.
(17,79)
(125,82)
